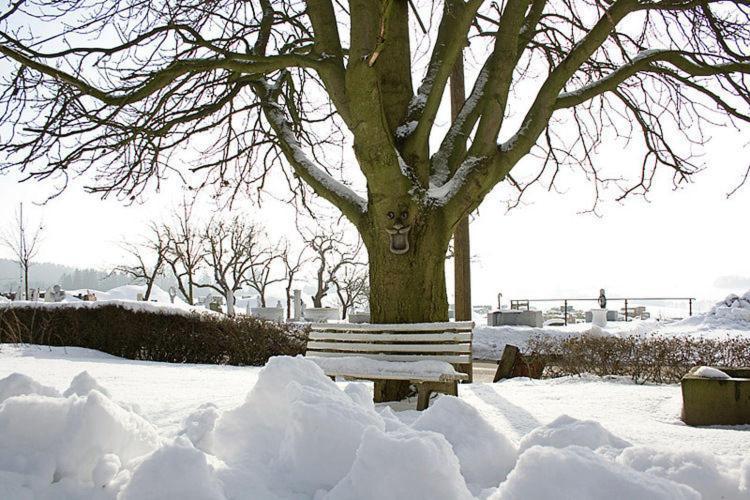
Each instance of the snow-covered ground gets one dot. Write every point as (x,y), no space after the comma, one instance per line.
(489,341)
(140,430)
(124,296)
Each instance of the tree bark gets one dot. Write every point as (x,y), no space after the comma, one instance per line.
(289,301)
(407,288)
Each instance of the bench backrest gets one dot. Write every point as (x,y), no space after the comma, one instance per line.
(449,342)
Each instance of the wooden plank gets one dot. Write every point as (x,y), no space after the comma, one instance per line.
(392,337)
(507,362)
(448,358)
(395,376)
(363,347)
(388,327)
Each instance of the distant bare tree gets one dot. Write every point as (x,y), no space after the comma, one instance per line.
(330,253)
(266,91)
(263,257)
(24,244)
(293,264)
(352,287)
(185,252)
(229,256)
(148,257)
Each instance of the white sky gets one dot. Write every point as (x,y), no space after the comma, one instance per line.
(678,244)
(682,242)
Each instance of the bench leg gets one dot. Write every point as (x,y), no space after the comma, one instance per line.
(423,396)
(425,390)
(466,368)
(391,390)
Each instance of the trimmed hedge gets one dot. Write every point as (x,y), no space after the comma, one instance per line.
(653,358)
(153,336)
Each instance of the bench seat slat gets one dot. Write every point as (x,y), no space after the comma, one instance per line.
(448,358)
(464,326)
(386,348)
(396,376)
(391,337)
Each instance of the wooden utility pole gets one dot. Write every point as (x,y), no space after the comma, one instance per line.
(461,245)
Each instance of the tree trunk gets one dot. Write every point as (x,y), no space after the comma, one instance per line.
(190,289)
(229,297)
(407,288)
(289,302)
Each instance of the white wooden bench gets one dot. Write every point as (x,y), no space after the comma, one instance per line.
(432,356)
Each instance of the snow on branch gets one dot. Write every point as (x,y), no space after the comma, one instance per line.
(439,195)
(460,128)
(321,181)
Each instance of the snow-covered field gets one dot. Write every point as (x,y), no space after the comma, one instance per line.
(139,430)
(123,296)
(489,341)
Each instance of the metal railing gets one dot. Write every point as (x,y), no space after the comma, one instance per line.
(524,303)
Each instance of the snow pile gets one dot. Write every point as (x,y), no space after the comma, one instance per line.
(702,471)
(298,435)
(567,431)
(54,444)
(295,415)
(486,457)
(125,296)
(734,307)
(131,292)
(84,383)
(577,472)
(362,365)
(708,372)
(131,305)
(176,470)
(402,465)
(17,384)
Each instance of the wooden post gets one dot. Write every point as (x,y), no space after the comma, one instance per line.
(507,362)
(461,244)
(626,310)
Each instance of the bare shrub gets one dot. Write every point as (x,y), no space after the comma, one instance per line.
(653,358)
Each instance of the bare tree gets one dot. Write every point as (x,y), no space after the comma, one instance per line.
(258,82)
(229,256)
(352,287)
(185,251)
(148,259)
(264,258)
(331,253)
(294,263)
(24,243)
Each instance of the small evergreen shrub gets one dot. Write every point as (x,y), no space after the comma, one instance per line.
(653,358)
(153,336)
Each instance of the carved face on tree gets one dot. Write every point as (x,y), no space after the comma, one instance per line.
(400,225)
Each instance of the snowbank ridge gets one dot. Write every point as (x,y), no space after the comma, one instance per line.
(299,435)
